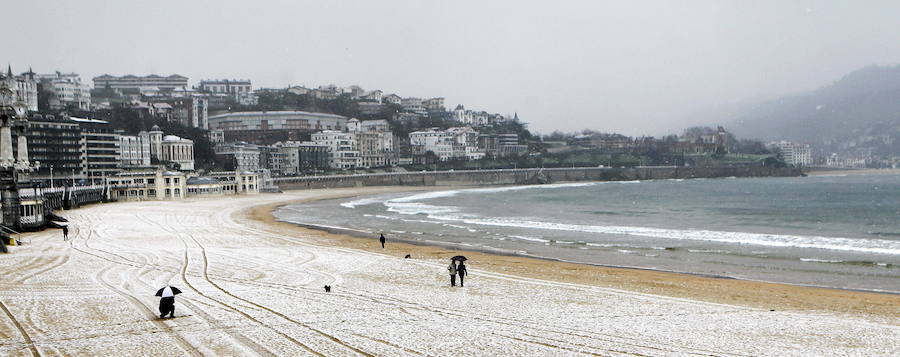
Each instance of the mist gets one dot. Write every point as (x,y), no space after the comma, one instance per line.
(634,67)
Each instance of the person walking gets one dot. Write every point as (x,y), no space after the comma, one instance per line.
(382,240)
(452,270)
(461,270)
(65,233)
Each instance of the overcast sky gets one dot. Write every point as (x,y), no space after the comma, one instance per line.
(635,67)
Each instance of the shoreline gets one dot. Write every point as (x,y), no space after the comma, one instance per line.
(700,287)
(842,172)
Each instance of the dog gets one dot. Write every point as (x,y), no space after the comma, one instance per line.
(327,288)
(407,256)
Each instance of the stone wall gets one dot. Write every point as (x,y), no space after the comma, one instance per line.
(528,176)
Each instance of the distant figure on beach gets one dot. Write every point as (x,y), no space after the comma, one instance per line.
(461,270)
(167,301)
(382,240)
(65,233)
(452,270)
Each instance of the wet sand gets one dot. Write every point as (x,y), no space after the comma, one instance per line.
(764,295)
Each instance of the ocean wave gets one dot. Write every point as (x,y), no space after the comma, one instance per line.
(814,260)
(773,240)
(451,193)
(361,202)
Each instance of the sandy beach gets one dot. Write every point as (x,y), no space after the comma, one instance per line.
(254,286)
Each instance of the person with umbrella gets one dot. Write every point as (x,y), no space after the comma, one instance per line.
(167,303)
(452,270)
(460,268)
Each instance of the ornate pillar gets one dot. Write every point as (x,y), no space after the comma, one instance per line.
(6,152)
(22,159)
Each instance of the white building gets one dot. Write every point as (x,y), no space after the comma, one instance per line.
(393,99)
(178,150)
(462,115)
(229,86)
(374,141)
(342,148)
(216,136)
(453,143)
(434,104)
(151,83)
(244,157)
(277,120)
(169,148)
(414,105)
(134,151)
(68,90)
(795,154)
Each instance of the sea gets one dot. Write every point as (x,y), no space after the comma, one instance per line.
(840,231)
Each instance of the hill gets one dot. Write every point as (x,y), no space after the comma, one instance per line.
(859,114)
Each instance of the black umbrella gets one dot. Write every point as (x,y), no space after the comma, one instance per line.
(459,258)
(175,291)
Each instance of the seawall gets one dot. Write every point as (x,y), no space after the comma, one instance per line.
(529,176)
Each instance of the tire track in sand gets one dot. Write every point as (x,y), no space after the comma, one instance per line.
(100,277)
(25,336)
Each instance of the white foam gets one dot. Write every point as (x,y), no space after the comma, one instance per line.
(814,260)
(531,239)
(361,202)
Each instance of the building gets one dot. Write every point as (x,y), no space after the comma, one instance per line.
(239,156)
(374,141)
(341,148)
(237,182)
(24,87)
(462,115)
(434,104)
(313,157)
(68,90)
(393,99)
(501,145)
(373,96)
(177,150)
(141,84)
(100,151)
(160,184)
(190,111)
(277,120)
(794,154)
(290,155)
(54,147)
(438,142)
(267,128)
(133,151)
(216,136)
(414,105)
(229,86)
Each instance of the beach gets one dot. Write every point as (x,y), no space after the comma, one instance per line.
(254,286)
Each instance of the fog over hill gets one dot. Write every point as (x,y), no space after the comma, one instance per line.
(858,111)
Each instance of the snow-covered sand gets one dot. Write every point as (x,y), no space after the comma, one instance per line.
(248,291)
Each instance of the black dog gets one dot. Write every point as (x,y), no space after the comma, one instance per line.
(406,257)
(327,288)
